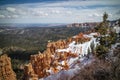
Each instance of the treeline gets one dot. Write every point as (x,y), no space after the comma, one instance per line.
(35,38)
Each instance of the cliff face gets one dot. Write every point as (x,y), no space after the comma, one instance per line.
(82,24)
(58,56)
(6,72)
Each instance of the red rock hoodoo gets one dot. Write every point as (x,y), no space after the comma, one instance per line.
(6,72)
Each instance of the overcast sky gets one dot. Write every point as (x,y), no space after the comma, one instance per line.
(57,11)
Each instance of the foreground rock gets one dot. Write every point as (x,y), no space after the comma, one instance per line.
(6,72)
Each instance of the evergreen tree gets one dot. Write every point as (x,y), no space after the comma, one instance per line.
(119,22)
(105,41)
(105,16)
(102,28)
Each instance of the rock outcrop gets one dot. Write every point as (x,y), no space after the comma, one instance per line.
(44,64)
(6,72)
(57,56)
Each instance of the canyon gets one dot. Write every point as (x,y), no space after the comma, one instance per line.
(62,57)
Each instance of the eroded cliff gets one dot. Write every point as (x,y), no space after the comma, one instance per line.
(59,56)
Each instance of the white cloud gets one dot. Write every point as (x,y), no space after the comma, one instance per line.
(96,15)
(56,11)
(69,12)
(65,11)
(11,9)
(2,16)
(21,12)
(46,14)
(8,16)
(38,12)
(15,16)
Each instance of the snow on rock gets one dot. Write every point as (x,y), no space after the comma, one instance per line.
(82,48)
(75,64)
(50,71)
(69,74)
(72,60)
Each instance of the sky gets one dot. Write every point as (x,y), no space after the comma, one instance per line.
(57,11)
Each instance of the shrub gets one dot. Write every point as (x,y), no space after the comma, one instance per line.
(101,51)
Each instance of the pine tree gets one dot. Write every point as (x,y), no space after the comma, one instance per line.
(102,28)
(105,16)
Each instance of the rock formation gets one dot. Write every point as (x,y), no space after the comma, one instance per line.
(6,72)
(82,24)
(57,56)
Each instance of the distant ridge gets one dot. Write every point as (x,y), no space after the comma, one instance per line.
(31,25)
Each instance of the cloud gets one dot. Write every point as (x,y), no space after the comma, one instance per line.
(69,12)
(8,16)
(118,12)
(62,11)
(95,15)
(11,9)
(38,12)
(56,11)
(86,3)
(21,12)
(15,16)
(2,16)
